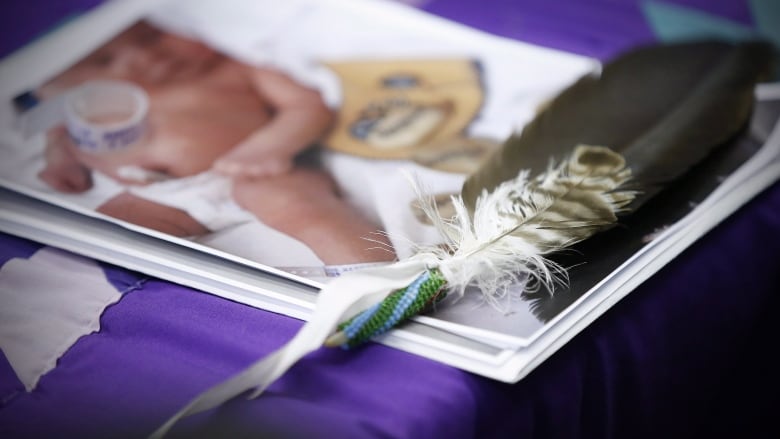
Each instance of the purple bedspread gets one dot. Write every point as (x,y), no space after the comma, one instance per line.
(687,354)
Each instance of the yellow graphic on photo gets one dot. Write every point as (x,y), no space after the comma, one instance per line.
(391,108)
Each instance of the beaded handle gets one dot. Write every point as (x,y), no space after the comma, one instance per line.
(397,307)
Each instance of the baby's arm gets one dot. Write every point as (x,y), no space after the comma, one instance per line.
(299,118)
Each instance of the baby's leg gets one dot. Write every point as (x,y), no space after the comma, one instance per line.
(253,159)
(304,204)
(145,213)
(63,171)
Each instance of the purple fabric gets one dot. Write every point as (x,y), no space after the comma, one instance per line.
(597,28)
(685,355)
(686,345)
(15,247)
(163,344)
(22,21)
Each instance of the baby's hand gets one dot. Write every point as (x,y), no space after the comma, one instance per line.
(63,171)
(253,163)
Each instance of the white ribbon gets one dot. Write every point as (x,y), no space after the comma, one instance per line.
(341,298)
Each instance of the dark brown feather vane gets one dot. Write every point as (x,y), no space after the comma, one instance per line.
(664,108)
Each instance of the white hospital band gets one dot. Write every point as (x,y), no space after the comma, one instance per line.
(106,115)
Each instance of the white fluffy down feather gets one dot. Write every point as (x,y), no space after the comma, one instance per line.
(522,220)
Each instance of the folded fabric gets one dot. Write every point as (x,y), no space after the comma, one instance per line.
(47,302)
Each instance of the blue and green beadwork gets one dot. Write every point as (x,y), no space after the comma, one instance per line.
(400,305)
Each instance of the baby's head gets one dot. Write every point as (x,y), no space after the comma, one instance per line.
(142,54)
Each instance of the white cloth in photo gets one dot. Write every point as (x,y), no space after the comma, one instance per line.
(205,197)
(41,317)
